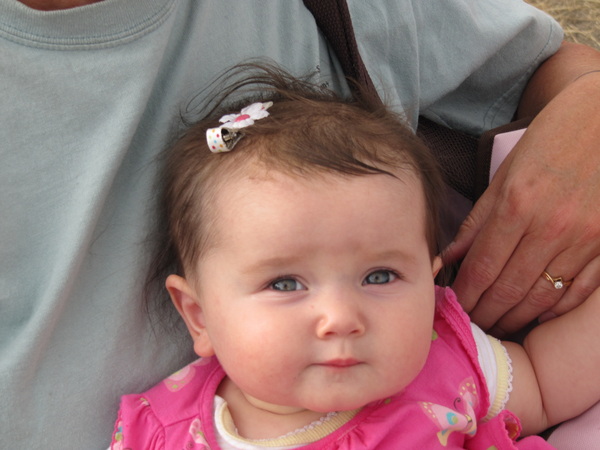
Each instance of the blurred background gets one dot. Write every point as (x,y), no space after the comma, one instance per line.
(579,18)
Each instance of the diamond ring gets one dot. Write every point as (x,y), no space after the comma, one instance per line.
(557,282)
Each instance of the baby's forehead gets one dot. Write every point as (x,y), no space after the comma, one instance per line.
(258,184)
(314,213)
(260,194)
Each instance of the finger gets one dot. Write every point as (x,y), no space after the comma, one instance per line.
(545,294)
(586,282)
(470,227)
(458,248)
(489,253)
(544,297)
(514,283)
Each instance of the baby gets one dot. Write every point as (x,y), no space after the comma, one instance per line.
(305,235)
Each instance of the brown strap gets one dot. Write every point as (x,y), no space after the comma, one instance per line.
(456,153)
(333,19)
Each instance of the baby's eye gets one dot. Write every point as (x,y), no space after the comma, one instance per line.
(380,277)
(287,284)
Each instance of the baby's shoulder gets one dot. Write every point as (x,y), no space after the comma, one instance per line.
(178,407)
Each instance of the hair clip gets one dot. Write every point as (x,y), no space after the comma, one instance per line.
(223,138)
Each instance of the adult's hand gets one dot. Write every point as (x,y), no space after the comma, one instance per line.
(542,210)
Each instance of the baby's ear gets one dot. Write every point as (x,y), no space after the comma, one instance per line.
(187,304)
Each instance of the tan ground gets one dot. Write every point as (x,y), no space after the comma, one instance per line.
(579,18)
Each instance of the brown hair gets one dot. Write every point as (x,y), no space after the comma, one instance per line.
(310,130)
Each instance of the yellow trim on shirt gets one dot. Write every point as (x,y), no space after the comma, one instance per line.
(311,433)
(503,378)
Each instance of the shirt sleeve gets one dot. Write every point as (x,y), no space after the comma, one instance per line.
(497,370)
(463,64)
(136,426)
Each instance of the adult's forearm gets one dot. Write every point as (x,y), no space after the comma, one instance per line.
(557,73)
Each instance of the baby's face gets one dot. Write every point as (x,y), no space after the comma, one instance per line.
(318,294)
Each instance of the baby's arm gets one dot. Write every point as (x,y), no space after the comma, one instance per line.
(556,373)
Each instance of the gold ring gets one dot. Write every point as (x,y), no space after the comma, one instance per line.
(557,282)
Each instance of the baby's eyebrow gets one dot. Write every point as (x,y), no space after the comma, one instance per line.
(279,262)
(270,263)
(394,254)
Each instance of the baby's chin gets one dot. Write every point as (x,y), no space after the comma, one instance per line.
(326,399)
(349,403)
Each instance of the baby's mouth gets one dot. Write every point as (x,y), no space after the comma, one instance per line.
(340,363)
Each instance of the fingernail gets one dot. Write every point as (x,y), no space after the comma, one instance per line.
(548,315)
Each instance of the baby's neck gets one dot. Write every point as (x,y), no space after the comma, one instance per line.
(255,419)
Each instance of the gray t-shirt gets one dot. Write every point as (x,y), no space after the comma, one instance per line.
(90,97)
